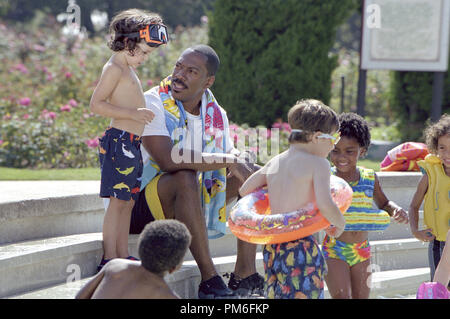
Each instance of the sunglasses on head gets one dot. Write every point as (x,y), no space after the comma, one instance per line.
(153,34)
(334,138)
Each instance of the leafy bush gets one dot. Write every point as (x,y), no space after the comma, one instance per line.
(411,96)
(275,53)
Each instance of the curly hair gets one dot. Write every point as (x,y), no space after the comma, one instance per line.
(356,127)
(129,21)
(436,131)
(311,116)
(163,244)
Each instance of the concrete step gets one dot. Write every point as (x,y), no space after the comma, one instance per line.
(399,186)
(40,209)
(395,284)
(31,265)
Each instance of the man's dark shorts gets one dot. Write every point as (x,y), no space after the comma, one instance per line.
(121,164)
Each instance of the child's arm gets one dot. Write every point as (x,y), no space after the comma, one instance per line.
(324,201)
(88,290)
(395,211)
(256,180)
(422,187)
(99,105)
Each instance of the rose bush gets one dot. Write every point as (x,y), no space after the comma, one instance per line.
(46,83)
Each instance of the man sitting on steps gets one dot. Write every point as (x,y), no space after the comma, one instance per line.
(189,124)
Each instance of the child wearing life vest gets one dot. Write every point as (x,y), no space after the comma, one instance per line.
(348,256)
(434,190)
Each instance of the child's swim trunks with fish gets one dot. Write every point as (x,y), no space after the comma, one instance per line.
(121,164)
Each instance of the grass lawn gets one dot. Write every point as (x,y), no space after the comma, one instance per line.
(17,174)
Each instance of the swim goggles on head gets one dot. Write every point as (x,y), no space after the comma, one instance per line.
(153,34)
(334,138)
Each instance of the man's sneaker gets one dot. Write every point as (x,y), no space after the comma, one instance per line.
(252,285)
(214,288)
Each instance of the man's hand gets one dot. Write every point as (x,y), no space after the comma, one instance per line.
(241,170)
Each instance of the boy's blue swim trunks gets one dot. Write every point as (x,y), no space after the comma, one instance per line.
(121,164)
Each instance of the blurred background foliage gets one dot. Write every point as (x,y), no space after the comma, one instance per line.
(273,53)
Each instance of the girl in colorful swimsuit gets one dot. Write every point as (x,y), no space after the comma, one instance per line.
(348,256)
(434,187)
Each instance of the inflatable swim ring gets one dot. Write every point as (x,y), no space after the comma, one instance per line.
(251,220)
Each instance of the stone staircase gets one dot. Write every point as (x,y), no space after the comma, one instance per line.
(51,243)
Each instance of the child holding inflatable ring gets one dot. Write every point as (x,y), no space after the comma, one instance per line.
(348,255)
(294,178)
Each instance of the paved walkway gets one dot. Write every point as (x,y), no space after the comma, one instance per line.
(14,191)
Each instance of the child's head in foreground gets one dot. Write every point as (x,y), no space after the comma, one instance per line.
(437,137)
(162,245)
(309,116)
(129,33)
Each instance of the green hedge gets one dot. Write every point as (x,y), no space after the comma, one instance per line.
(275,52)
(411,95)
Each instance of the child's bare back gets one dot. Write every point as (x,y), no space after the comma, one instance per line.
(127,279)
(291,187)
(127,93)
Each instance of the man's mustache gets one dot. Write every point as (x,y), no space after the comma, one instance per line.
(178,81)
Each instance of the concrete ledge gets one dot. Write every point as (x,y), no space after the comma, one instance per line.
(31,265)
(399,186)
(396,284)
(35,264)
(398,254)
(32,210)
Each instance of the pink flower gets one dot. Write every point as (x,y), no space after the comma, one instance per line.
(48,115)
(7,117)
(39,48)
(276,125)
(150,83)
(286,126)
(65,108)
(93,143)
(49,77)
(25,101)
(26,116)
(73,103)
(68,75)
(20,67)
(1,142)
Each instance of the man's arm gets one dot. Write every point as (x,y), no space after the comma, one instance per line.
(170,159)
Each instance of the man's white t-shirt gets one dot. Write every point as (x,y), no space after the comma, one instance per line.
(193,139)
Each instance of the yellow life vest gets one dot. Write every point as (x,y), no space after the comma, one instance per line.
(437,197)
